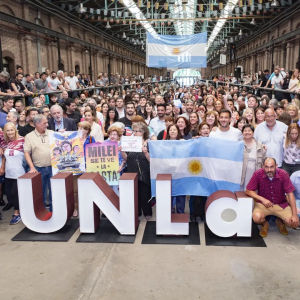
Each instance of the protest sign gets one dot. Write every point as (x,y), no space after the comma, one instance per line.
(131,143)
(103,158)
(67,153)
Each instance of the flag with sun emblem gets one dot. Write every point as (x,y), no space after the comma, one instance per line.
(198,167)
(176,51)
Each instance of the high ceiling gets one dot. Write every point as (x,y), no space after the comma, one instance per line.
(129,20)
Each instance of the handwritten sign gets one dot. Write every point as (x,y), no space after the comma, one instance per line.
(103,158)
(131,143)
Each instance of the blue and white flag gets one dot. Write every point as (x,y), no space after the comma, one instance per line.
(198,167)
(176,51)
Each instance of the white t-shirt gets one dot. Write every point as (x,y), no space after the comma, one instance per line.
(276,81)
(54,83)
(72,82)
(233,134)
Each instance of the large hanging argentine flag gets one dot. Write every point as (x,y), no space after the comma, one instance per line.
(199,166)
(176,51)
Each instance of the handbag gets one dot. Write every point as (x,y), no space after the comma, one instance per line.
(143,175)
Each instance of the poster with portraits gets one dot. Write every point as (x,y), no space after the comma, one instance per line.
(67,153)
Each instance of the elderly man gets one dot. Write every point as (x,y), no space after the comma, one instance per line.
(13,117)
(5,89)
(37,154)
(58,122)
(271,133)
(274,196)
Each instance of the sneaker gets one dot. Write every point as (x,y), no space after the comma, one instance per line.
(15,219)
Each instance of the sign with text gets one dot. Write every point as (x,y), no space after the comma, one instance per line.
(67,153)
(131,143)
(103,158)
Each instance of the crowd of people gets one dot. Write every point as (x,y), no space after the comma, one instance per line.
(268,127)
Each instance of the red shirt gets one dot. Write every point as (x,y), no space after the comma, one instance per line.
(274,190)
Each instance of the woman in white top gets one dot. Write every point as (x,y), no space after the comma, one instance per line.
(12,165)
(294,81)
(97,133)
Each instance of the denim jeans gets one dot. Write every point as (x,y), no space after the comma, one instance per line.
(179,202)
(46,173)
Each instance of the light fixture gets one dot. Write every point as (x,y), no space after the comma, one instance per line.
(107,25)
(81,9)
(253,22)
(241,32)
(275,3)
(124,35)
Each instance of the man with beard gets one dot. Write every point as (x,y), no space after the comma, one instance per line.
(225,131)
(189,108)
(158,124)
(130,109)
(277,82)
(274,197)
(58,122)
(53,82)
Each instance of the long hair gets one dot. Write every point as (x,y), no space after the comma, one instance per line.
(107,121)
(288,140)
(187,128)
(253,118)
(179,136)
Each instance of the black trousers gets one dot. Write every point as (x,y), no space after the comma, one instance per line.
(11,189)
(289,168)
(144,192)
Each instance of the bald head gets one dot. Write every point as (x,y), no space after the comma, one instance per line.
(270,117)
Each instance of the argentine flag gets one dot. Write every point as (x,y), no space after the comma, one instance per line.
(198,167)
(176,51)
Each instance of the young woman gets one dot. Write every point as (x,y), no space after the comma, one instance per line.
(254,155)
(104,110)
(139,162)
(249,114)
(291,149)
(112,117)
(96,129)
(211,117)
(12,166)
(241,122)
(259,115)
(201,111)
(219,105)
(184,127)
(149,112)
(194,122)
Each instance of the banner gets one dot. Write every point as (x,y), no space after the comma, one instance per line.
(103,158)
(176,51)
(67,153)
(198,167)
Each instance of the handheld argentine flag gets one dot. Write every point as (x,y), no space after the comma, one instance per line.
(176,51)
(198,167)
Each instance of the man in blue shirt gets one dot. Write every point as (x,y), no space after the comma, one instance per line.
(295,179)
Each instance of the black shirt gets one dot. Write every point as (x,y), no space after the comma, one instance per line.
(4,111)
(4,86)
(126,122)
(19,85)
(76,116)
(23,131)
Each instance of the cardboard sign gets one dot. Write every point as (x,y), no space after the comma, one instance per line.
(103,158)
(67,153)
(132,143)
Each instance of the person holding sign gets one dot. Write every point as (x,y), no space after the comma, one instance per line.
(139,162)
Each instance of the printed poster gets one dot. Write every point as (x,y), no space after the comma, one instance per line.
(67,153)
(104,159)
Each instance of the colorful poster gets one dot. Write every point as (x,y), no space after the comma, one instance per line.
(104,159)
(67,153)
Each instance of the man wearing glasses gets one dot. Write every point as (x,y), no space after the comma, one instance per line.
(271,133)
